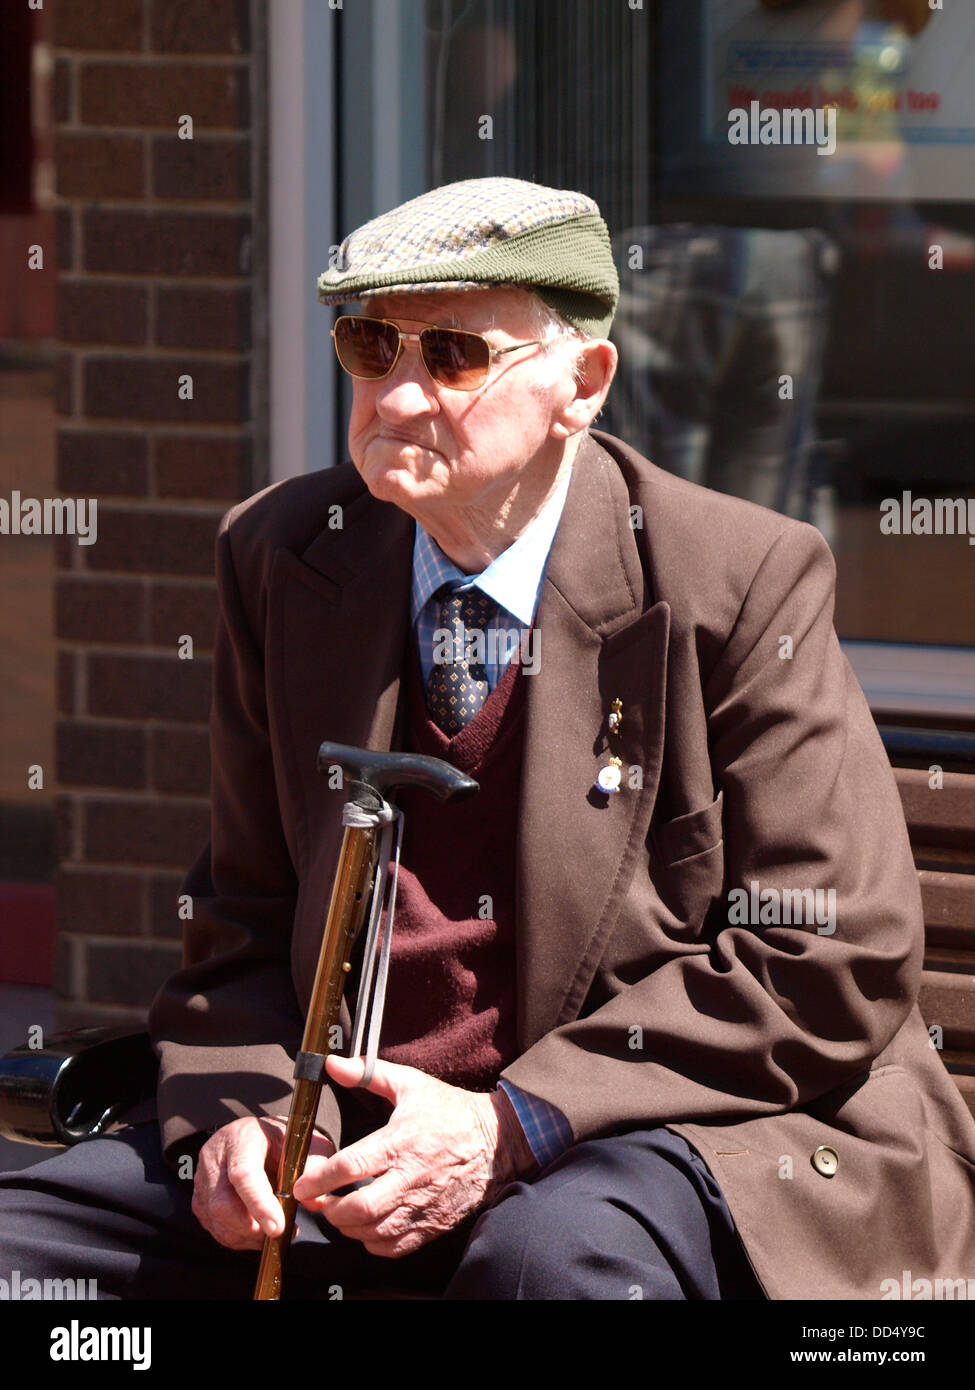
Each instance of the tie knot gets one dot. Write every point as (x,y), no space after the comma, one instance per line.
(467,606)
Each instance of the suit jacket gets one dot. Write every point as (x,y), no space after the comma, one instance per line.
(748,760)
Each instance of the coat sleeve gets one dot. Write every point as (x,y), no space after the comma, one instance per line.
(756,1017)
(226,1027)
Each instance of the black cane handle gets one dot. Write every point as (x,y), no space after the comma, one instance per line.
(383,771)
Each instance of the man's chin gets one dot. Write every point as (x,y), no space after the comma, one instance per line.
(402,479)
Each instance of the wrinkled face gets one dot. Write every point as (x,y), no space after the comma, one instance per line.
(423,446)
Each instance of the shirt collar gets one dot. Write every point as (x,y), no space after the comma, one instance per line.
(513,580)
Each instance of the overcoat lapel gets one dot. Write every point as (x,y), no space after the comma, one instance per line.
(601,637)
(342,613)
(338,620)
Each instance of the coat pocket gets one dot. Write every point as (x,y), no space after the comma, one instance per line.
(687,867)
(689,834)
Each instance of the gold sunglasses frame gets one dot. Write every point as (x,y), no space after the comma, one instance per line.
(493,352)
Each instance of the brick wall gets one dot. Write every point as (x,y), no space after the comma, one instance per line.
(160,253)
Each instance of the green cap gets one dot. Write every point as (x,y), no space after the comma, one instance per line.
(486,233)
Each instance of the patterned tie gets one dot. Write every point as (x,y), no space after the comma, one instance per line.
(457,689)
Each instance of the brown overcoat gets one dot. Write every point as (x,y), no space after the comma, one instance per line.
(751,761)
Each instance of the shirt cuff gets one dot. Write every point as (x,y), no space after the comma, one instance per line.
(547,1130)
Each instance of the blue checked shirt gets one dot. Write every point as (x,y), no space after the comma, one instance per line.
(513,581)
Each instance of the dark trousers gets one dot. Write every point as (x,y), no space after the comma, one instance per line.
(636,1215)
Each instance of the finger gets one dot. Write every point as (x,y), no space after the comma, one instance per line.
(228,1220)
(398,1246)
(365,1159)
(366,1207)
(402,1223)
(245,1169)
(389,1079)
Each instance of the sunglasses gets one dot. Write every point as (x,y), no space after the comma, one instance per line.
(370,348)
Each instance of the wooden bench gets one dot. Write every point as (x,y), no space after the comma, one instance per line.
(941,824)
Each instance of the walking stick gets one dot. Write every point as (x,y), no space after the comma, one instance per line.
(358,892)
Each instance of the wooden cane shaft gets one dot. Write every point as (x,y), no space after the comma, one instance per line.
(348,904)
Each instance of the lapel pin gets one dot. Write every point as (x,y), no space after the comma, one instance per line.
(608,778)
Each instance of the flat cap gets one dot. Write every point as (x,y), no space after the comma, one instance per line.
(486,233)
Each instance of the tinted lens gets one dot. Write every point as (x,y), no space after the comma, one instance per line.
(456,359)
(366,347)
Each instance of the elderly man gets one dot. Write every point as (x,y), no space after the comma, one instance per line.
(651,1028)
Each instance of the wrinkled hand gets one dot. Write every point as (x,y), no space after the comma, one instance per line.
(443,1153)
(233,1196)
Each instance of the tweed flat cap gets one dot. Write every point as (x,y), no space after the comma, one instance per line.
(482,233)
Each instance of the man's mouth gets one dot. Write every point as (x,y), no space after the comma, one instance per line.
(406,439)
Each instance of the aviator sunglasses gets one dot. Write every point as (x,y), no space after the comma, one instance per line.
(370,348)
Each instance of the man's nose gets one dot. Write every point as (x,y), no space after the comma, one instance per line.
(409,388)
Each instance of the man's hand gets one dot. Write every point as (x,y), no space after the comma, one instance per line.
(443,1154)
(232,1194)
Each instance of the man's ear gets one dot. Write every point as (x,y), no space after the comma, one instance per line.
(599,361)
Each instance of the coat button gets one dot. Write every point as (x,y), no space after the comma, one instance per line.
(826,1161)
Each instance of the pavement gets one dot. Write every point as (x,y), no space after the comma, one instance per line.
(21,1006)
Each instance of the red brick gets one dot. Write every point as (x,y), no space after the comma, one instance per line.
(156,95)
(98,754)
(64,383)
(102,311)
(68,967)
(123,973)
(99,166)
(63,90)
(177,609)
(203,316)
(98,24)
(66,826)
(100,610)
(186,26)
(103,463)
(164,831)
(203,465)
(165,891)
(103,902)
(64,237)
(136,242)
(66,677)
(148,687)
(215,168)
(146,388)
(143,541)
(180,760)
(66,552)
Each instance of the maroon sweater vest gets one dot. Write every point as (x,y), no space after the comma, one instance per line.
(450,1001)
